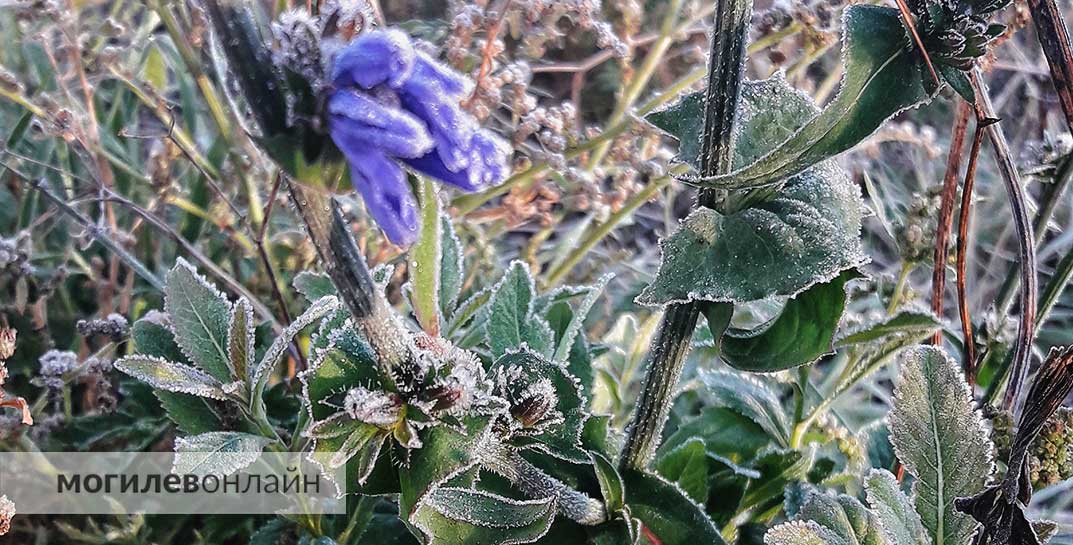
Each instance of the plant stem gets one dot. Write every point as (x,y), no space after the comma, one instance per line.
(676,328)
(1025,240)
(969,342)
(946,211)
(899,288)
(1054,39)
(343,262)
(537,484)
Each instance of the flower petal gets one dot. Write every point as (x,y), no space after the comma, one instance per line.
(375,58)
(451,128)
(383,187)
(452,83)
(364,122)
(432,165)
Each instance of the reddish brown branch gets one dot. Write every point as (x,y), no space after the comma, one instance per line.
(962,251)
(946,211)
(911,26)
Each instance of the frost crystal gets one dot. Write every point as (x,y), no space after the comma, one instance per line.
(55,363)
(7,512)
(374,407)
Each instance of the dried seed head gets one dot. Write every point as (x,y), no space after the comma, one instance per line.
(55,363)
(115,327)
(7,512)
(7,343)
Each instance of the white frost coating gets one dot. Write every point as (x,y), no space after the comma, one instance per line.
(172,377)
(218,452)
(941,438)
(374,407)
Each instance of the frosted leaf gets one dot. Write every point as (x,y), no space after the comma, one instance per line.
(900,522)
(199,315)
(240,343)
(801,533)
(217,453)
(940,437)
(511,322)
(172,377)
(577,320)
(808,233)
(751,397)
(457,516)
(319,309)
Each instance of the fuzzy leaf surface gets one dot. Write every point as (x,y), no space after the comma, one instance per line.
(200,316)
(459,516)
(940,437)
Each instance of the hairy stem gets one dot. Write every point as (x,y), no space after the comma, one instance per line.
(346,267)
(676,328)
(1025,240)
(535,483)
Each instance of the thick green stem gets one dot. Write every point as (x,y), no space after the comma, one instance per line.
(676,328)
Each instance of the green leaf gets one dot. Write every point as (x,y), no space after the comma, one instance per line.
(770,112)
(835,520)
(750,396)
(219,453)
(314,285)
(667,512)
(425,261)
(800,335)
(155,70)
(563,439)
(510,321)
(240,347)
(577,319)
(172,377)
(778,468)
(911,322)
(883,77)
(458,516)
(808,233)
(899,521)
(346,363)
(725,433)
(611,485)
(687,467)
(259,375)
(200,317)
(451,267)
(940,437)
(191,414)
(446,452)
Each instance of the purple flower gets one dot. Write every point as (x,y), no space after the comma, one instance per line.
(394,106)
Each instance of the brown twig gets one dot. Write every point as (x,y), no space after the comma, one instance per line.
(488,53)
(946,211)
(911,26)
(962,251)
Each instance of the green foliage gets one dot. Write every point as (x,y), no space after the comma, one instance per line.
(940,437)
(883,77)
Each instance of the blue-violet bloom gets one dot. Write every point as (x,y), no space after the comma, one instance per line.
(393,106)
